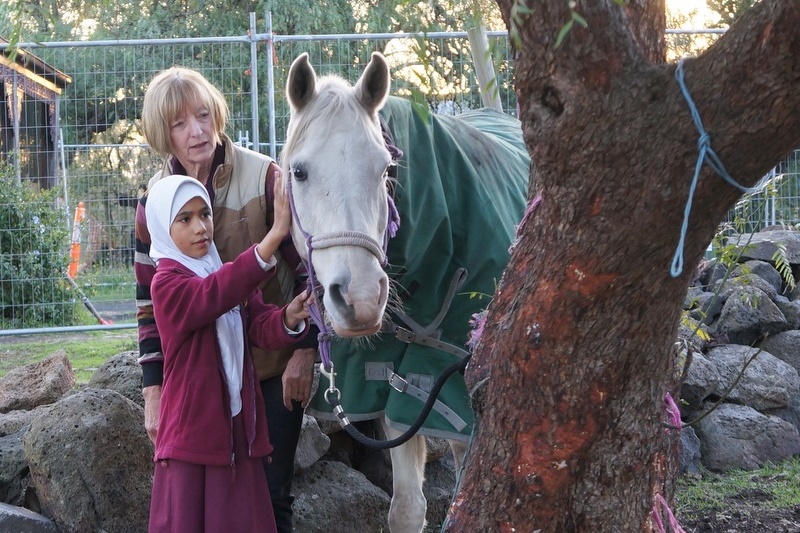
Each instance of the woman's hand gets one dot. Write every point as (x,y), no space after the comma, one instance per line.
(298,378)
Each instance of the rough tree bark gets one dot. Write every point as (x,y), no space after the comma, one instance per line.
(576,357)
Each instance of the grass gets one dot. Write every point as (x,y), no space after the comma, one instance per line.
(770,491)
(108,283)
(86,351)
(778,483)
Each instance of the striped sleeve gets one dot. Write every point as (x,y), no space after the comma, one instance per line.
(150,356)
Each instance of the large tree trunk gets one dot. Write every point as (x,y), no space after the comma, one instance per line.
(570,376)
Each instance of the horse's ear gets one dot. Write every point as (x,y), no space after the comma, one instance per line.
(301,82)
(373,86)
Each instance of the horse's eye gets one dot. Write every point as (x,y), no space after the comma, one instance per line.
(299,173)
(391,171)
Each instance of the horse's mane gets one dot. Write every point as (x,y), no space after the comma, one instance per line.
(334,97)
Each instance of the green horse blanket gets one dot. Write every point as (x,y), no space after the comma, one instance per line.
(461,190)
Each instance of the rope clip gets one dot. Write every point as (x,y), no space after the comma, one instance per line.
(332,390)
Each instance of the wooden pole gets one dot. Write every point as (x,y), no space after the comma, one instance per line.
(482,59)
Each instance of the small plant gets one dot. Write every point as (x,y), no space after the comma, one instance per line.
(782,265)
(33,256)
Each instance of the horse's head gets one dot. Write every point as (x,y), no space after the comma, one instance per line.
(336,161)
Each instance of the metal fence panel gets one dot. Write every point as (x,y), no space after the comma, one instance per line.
(103,163)
(95,153)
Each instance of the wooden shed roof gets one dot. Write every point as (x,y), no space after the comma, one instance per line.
(33,68)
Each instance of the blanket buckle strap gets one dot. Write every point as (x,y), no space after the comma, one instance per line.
(403,386)
(430,335)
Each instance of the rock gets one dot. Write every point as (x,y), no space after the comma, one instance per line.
(437,448)
(737,436)
(440,480)
(767,382)
(13,467)
(13,421)
(790,413)
(21,520)
(701,380)
(329,494)
(91,463)
(312,445)
(36,384)
(790,310)
(121,373)
(762,245)
(785,346)
(690,452)
(763,270)
(748,314)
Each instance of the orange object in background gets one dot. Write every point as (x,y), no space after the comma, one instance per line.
(75,251)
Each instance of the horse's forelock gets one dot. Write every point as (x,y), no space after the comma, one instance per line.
(333,97)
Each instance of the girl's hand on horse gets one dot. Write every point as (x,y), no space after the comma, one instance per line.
(281,224)
(282,209)
(297,310)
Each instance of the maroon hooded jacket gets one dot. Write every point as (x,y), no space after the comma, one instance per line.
(194,414)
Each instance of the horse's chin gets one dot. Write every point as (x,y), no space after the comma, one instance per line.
(348,333)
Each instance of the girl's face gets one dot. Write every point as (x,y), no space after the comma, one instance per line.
(192,135)
(192,229)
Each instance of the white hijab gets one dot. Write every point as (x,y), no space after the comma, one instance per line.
(164,201)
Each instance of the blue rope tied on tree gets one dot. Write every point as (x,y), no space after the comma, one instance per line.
(707,155)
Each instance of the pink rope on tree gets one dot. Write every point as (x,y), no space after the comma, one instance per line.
(673,411)
(674,416)
(477,322)
(673,522)
(531,206)
(528,211)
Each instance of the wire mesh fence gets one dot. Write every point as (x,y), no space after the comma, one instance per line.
(71,130)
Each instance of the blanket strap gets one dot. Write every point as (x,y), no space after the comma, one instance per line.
(382,371)
(429,335)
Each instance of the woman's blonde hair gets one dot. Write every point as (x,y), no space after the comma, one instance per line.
(170,93)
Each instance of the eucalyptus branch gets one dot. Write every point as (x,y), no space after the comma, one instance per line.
(722,398)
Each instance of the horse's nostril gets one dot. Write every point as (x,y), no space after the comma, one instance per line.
(337,292)
(383,285)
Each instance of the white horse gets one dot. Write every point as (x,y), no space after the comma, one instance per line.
(337,160)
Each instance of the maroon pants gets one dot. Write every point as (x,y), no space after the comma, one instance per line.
(191,498)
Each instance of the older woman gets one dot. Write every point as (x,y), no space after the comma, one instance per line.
(183,120)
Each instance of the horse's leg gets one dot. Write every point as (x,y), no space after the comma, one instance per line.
(408,507)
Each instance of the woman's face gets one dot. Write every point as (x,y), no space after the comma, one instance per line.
(192,135)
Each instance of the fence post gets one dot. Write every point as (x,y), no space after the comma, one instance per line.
(254,79)
(271,88)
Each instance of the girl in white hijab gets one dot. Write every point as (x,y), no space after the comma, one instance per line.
(160,215)
(208,453)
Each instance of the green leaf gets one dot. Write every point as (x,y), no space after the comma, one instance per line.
(579,19)
(563,33)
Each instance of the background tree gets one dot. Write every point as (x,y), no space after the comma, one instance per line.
(729,10)
(576,357)
(686,44)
